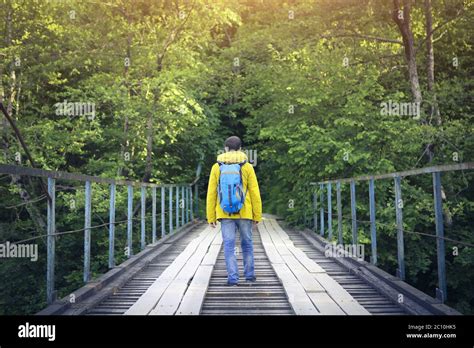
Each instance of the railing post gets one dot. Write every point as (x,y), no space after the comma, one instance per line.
(441,291)
(51,231)
(399,215)
(315,210)
(177,208)
(321,210)
(329,188)
(196,197)
(373,230)
(87,233)
(191,212)
(163,216)
(182,205)
(184,202)
(171,209)
(354,214)
(129,220)
(339,212)
(153,214)
(187,204)
(112,227)
(143,217)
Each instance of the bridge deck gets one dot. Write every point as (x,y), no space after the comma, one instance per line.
(293,277)
(368,296)
(265,297)
(124,297)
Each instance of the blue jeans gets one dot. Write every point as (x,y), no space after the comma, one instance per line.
(229,227)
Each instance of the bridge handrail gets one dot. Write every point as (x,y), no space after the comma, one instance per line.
(182,191)
(28,171)
(441,291)
(417,171)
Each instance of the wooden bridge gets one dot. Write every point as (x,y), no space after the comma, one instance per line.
(182,272)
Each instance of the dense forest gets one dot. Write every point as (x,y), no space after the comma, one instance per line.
(317,89)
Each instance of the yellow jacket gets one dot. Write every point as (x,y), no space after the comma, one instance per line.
(252,208)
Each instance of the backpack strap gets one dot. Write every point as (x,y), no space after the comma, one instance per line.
(242,181)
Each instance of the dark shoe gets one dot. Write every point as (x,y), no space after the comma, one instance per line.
(251,280)
(231,284)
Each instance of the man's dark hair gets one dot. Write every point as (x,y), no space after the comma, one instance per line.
(233,143)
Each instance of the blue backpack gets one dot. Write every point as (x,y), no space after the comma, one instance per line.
(230,188)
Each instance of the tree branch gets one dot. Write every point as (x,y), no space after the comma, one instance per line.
(364,37)
(173,35)
(459,14)
(23,144)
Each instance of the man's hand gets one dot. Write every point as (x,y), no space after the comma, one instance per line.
(212,224)
(255,222)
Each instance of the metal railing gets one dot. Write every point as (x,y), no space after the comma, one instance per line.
(435,171)
(185,210)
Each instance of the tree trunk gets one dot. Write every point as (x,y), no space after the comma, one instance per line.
(149,148)
(36,217)
(402,19)
(3,97)
(434,109)
(14,89)
(125,144)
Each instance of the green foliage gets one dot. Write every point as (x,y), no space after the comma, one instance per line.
(312,118)
(172,79)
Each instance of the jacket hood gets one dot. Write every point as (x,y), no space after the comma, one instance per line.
(232,157)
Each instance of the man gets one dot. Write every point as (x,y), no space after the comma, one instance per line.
(234,214)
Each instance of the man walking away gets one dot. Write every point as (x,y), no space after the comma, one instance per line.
(233,198)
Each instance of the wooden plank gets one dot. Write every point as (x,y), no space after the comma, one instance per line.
(325,304)
(274,226)
(194,297)
(340,295)
(304,277)
(276,239)
(211,256)
(268,246)
(283,235)
(301,273)
(218,239)
(151,297)
(214,249)
(299,300)
(331,296)
(169,302)
(309,264)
